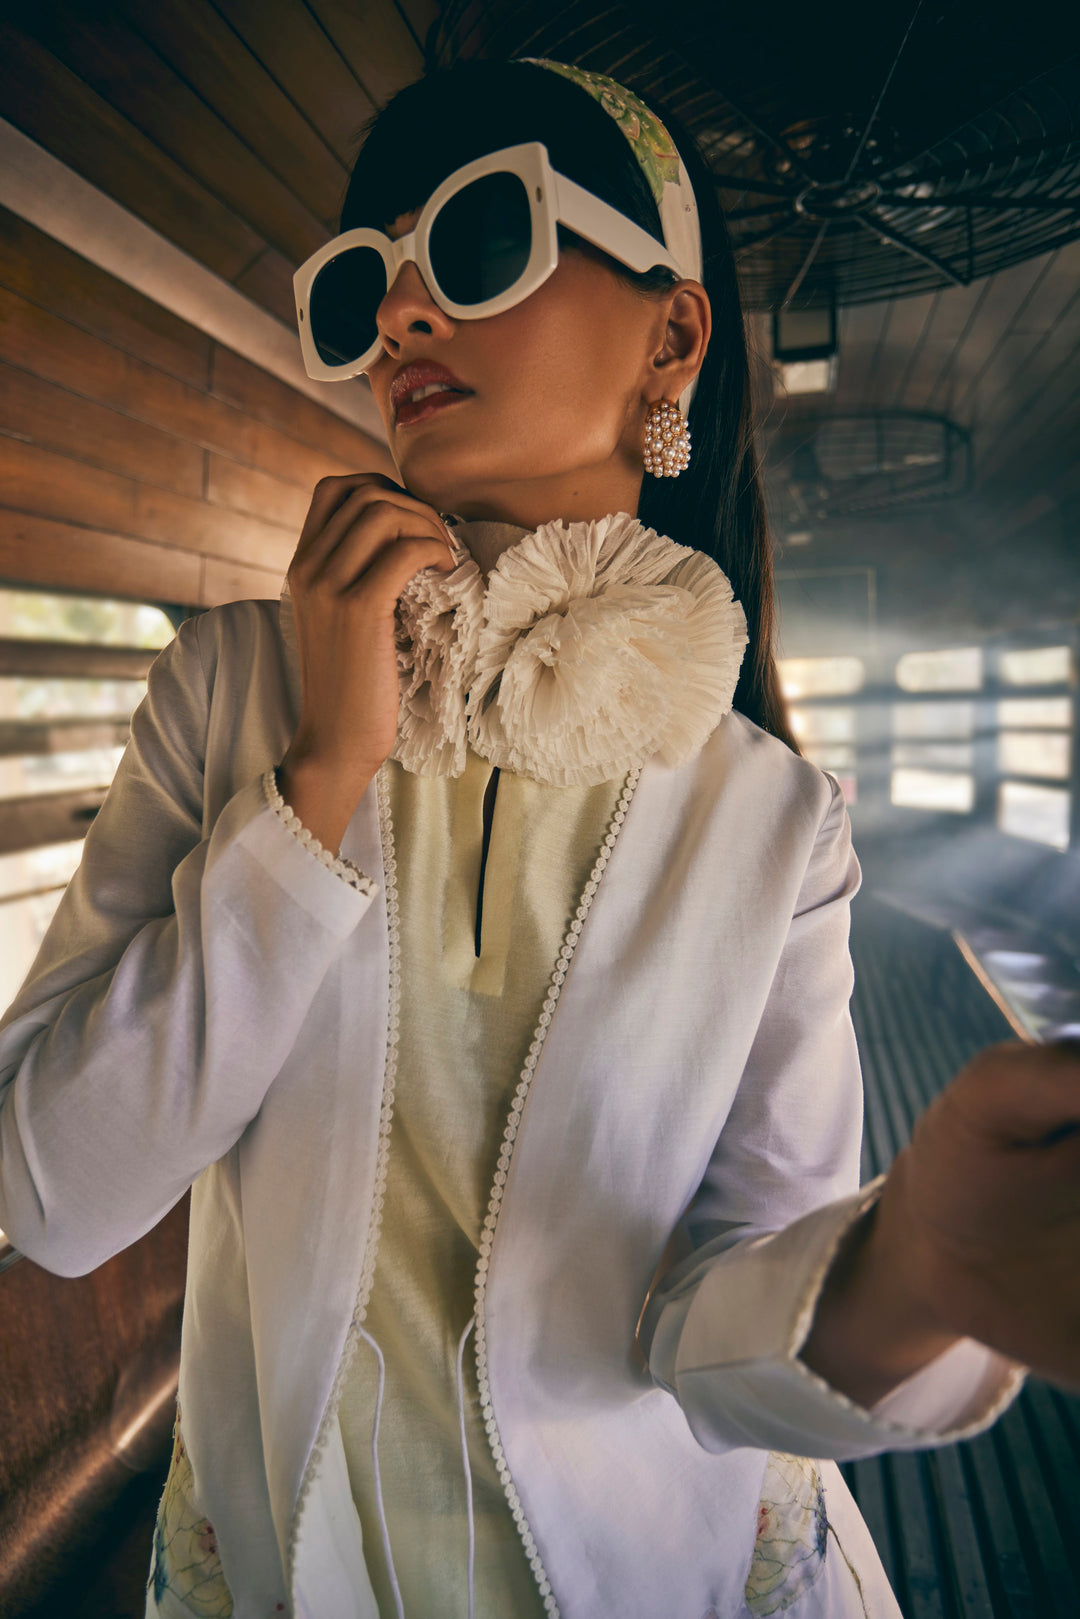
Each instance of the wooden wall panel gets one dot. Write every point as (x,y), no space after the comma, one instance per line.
(266,399)
(243,489)
(37,341)
(37,551)
(231,581)
(55,486)
(137,457)
(33,410)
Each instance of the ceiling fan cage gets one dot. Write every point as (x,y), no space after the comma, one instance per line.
(843,466)
(856,159)
(1002,188)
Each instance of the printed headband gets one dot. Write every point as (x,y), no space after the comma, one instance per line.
(660,162)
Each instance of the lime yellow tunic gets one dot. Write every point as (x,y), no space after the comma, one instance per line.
(466,1022)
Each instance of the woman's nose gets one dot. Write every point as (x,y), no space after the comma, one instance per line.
(409,307)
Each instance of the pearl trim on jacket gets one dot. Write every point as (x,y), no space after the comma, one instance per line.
(345,869)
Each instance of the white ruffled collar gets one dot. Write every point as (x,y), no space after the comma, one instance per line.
(593,647)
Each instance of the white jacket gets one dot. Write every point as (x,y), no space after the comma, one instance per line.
(210,1008)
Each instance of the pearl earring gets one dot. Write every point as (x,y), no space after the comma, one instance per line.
(667,440)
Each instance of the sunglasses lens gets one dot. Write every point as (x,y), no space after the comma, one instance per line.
(481,239)
(345,296)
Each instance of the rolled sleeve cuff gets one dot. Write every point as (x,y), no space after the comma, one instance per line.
(332,889)
(727,1349)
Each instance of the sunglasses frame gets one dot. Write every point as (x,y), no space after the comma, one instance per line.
(553,198)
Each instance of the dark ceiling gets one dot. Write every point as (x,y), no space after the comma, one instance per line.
(229,126)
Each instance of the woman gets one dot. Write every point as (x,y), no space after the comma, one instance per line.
(528,1259)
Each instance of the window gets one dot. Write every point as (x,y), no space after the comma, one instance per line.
(1033,753)
(1036,666)
(933,790)
(819,677)
(826,732)
(72,670)
(1038,813)
(933,752)
(953,669)
(1034,745)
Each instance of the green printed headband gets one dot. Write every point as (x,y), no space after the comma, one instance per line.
(657,154)
(660,163)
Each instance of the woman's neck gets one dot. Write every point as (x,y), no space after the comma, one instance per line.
(486,540)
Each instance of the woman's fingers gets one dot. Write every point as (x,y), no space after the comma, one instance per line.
(1023,1095)
(336,506)
(982,1210)
(364,539)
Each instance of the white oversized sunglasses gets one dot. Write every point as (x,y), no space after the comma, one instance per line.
(485,240)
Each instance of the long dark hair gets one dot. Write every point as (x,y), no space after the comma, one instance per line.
(456,114)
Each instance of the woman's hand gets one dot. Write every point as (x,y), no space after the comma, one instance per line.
(363,540)
(976,1233)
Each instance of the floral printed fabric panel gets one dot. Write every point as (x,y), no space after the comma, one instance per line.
(789,1553)
(186,1561)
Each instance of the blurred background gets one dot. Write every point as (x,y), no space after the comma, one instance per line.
(903,185)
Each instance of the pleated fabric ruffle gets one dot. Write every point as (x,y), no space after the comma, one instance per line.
(593,647)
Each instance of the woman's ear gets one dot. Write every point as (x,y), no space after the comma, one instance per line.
(686,317)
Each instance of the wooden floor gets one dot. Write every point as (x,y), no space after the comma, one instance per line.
(989,1529)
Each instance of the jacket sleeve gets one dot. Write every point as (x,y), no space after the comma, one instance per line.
(723,1330)
(161,1004)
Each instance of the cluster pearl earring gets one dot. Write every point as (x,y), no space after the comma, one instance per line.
(667,440)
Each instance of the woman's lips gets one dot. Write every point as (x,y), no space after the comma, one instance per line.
(409,414)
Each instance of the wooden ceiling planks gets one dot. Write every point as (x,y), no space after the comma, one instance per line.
(376,41)
(202,49)
(295,49)
(913,358)
(1047,377)
(901,324)
(268,282)
(116,61)
(1006,295)
(949,317)
(44,98)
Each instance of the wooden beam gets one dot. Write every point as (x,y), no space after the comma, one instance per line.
(19,738)
(30,823)
(72,660)
(39,267)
